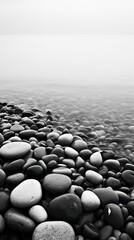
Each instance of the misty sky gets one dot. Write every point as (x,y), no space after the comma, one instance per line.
(81,40)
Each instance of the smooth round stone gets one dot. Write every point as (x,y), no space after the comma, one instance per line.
(128,177)
(89,230)
(112,164)
(18,222)
(26,134)
(2,224)
(113,215)
(58,151)
(106,195)
(27,120)
(14,166)
(49,158)
(79,145)
(59,230)
(66,207)
(4,201)
(38,214)
(65,139)
(14,150)
(107,155)
(15,139)
(106,232)
(53,136)
(26,194)
(39,152)
(130,229)
(34,171)
(85,154)
(96,159)
(2,178)
(7,135)
(79,162)
(17,128)
(69,162)
(70,152)
(93,177)
(90,201)
(56,184)
(15,179)
(113,183)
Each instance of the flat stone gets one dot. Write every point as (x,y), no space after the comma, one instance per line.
(26,134)
(59,230)
(66,207)
(18,222)
(17,128)
(65,139)
(90,200)
(14,179)
(26,194)
(14,166)
(14,150)
(38,214)
(56,184)
(113,215)
(93,177)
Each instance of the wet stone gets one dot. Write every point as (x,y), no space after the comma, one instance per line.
(113,215)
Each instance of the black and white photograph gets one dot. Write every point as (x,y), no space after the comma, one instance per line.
(66,120)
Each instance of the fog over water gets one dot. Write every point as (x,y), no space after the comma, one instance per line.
(78,66)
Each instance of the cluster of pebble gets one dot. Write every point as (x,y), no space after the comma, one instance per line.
(56,185)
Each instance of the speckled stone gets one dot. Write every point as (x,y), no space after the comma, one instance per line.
(14,150)
(59,230)
(26,194)
(56,184)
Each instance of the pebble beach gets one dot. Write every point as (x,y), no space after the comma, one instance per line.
(66,163)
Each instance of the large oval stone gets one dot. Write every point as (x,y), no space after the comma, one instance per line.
(18,222)
(90,201)
(54,230)
(26,194)
(56,184)
(14,150)
(113,215)
(66,207)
